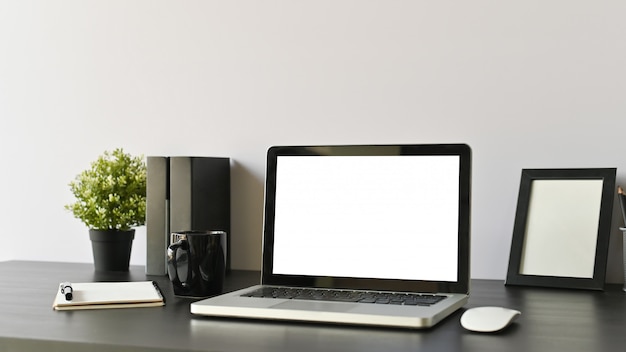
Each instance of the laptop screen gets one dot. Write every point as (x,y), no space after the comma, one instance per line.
(367,214)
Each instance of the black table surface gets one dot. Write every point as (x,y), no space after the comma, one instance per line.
(551,320)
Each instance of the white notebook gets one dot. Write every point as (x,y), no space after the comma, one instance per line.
(106,295)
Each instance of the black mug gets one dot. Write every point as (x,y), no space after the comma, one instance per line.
(196,262)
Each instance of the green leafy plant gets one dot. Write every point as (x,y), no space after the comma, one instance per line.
(112,193)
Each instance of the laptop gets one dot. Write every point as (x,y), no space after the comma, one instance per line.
(375,235)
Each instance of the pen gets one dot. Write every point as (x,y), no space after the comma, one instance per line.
(66,289)
(622,202)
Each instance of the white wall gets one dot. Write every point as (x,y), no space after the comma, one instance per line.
(528,84)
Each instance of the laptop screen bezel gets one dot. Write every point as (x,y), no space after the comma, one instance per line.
(462,283)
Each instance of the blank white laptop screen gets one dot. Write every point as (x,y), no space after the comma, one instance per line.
(382,218)
(343,216)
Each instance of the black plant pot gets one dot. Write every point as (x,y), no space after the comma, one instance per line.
(111,249)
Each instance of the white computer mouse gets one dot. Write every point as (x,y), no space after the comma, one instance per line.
(488,319)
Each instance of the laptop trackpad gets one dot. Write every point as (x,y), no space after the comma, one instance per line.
(314,305)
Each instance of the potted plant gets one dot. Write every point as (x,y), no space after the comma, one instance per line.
(110,200)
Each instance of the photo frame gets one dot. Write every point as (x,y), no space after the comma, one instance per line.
(562,228)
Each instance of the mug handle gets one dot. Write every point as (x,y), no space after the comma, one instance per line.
(172,263)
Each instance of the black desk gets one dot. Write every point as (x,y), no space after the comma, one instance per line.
(552,320)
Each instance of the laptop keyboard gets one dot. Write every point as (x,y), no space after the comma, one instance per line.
(409,299)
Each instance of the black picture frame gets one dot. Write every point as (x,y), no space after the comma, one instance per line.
(562,228)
